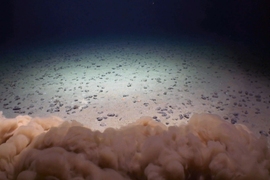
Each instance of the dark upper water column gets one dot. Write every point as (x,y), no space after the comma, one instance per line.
(31,20)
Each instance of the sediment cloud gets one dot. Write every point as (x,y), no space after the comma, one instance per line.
(207,147)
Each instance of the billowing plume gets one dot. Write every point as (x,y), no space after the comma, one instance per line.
(207,147)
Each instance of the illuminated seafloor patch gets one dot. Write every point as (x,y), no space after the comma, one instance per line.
(106,85)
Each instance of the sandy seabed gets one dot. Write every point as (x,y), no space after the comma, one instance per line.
(118,81)
(101,85)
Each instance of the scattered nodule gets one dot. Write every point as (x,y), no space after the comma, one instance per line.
(233,121)
(99,118)
(16,108)
(181,116)
(186,115)
(263,133)
(111,114)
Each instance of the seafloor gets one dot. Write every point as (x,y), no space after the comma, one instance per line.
(112,82)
